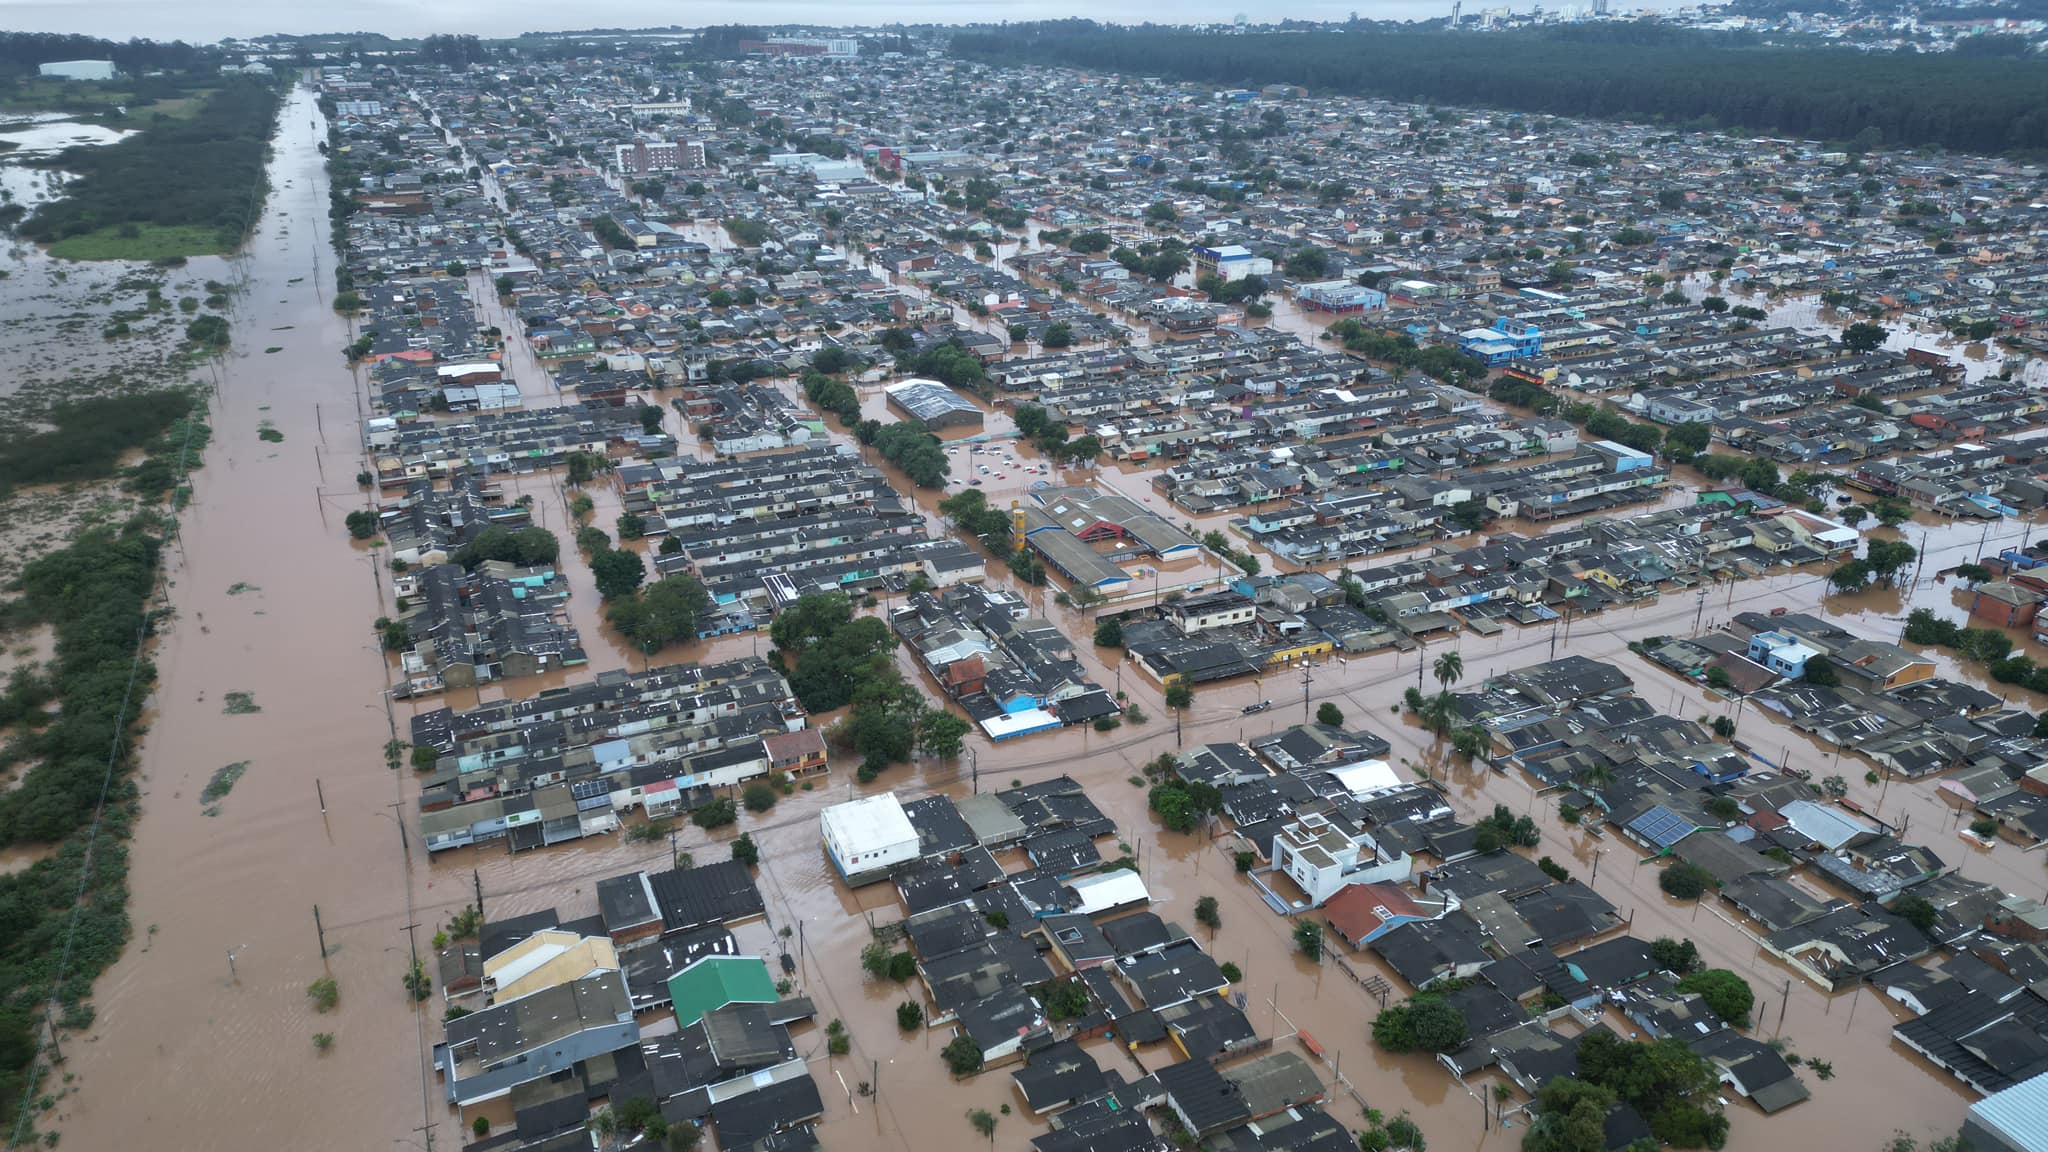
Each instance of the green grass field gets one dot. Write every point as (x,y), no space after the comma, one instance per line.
(151,242)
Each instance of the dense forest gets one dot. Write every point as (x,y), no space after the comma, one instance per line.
(203,172)
(1643,72)
(22,52)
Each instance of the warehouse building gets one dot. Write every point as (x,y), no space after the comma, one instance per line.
(933,405)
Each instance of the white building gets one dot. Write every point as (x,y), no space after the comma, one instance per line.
(1322,858)
(79,69)
(868,837)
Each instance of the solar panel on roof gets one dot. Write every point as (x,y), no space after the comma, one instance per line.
(1662,825)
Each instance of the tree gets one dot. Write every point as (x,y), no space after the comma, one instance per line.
(1680,957)
(1975,573)
(583,467)
(1820,673)
(1916,911)
(1161,212)
(1206,913)
(683,1136)
(632,526)
(1308,937)
(1328,713)
(1179,697)
(1863,336)
(941,734)
(1571,1117)
(1058,334)
(759,796)
(962,1056)
(910,1015)
(324,993)
(1066,1000)
(984,1122)
(874,958)
(1887,558)
(1685,881)
(902,966)
(717,814)
(1427,1023)
(1725,992)
(832,359)
(417,982)
(1849,576)
(665,612)
(618,573)
(526,547)
(1309,263)
(1109,633)
(1714,304)
(362,524)
(1449,669)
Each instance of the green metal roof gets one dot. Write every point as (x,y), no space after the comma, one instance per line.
(715,981)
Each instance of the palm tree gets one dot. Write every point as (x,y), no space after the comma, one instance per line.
(1450,668)
(1595,777)
(1440,713)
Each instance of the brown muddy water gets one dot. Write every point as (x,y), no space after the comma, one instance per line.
(184,1046)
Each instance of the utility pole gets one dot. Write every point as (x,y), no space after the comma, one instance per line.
(1306,680)
(974,770)
(412,944)
(477,879)
(322,931)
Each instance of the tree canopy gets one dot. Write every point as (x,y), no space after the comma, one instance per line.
(1642,70)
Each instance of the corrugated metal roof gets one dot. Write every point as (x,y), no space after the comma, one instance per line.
(2019,1113)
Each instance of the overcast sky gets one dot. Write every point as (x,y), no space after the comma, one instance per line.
(208,20)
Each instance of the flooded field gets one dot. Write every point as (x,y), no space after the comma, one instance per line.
(205,1024)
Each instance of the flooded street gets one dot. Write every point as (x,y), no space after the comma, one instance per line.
(204,1024)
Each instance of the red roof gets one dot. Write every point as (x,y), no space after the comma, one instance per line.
(1360,909)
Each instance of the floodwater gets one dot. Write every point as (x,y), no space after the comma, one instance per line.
(204,1024)
(47,132)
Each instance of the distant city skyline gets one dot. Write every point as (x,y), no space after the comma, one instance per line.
(206,22)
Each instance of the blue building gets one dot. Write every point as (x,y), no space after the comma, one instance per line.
(1782,654)
(1507,340)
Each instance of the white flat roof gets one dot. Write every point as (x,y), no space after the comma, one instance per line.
(1102,891)
(1019,723)
(1366,776)
(868,824)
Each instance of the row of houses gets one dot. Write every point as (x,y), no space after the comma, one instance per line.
(568,764)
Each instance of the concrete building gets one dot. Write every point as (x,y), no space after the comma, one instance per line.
(78,69)
(1324,858)
(1229,262)
(868,837)
(1340,296)
(1780,653)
